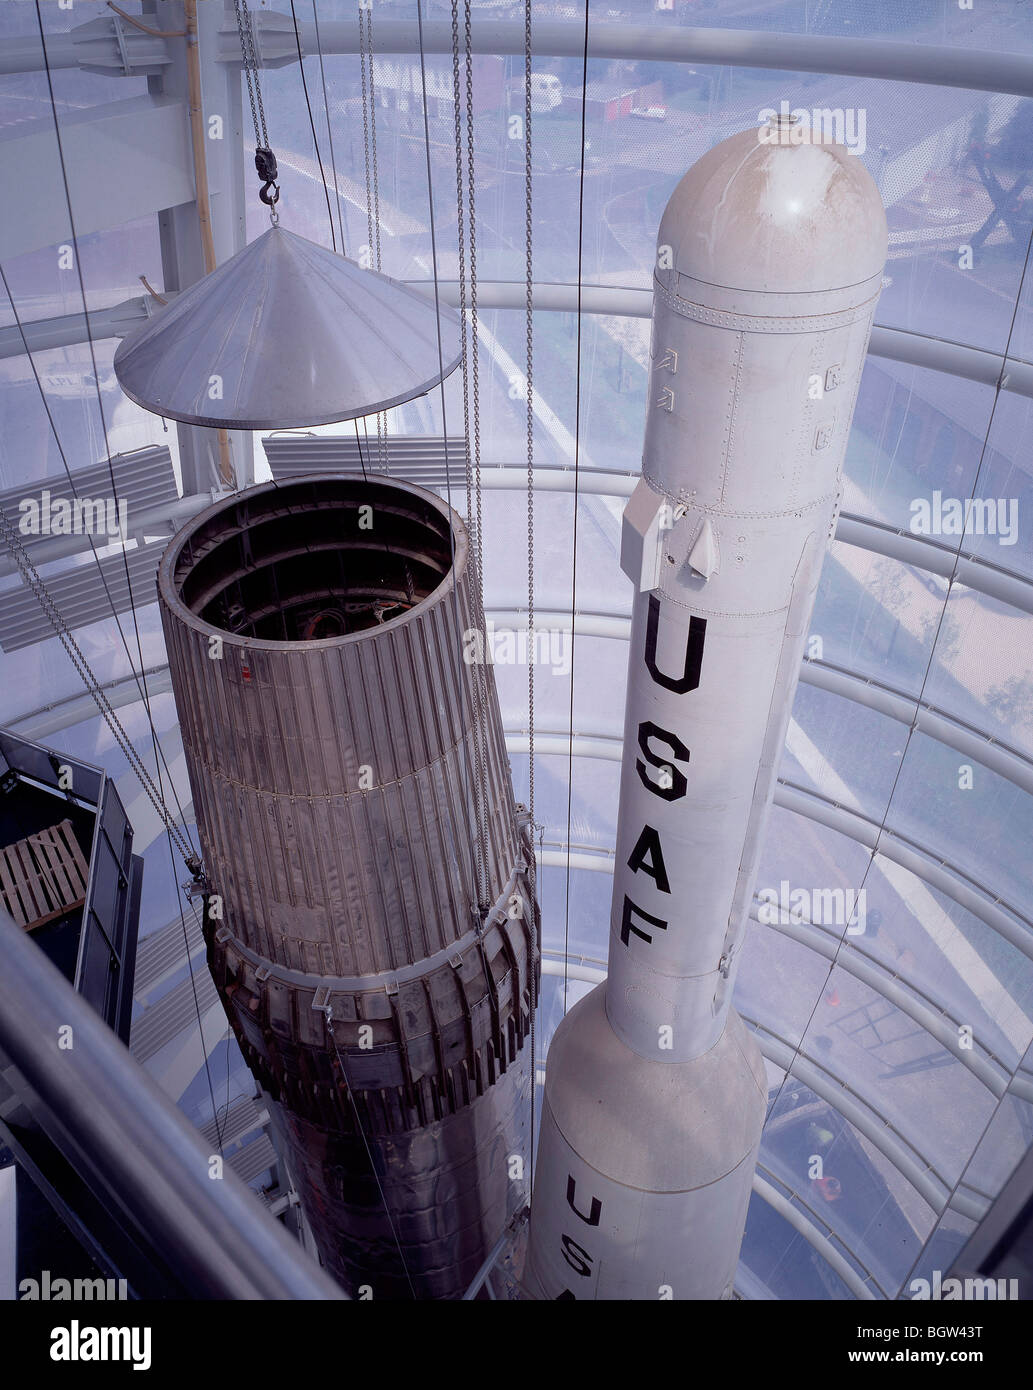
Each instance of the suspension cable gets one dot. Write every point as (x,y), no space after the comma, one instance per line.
(365,137)
(373,128)
(312,124)
(479,845)
(370,158)
(140,677)
(30,574)
(25,563)
(461,248)
(32,578)
(577,476)
(196,999)
(471,182)
(329,130)
(365,6)
(529,330)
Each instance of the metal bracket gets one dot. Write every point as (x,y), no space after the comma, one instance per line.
(647,523)
(120,39)
(275,42)
(102,45)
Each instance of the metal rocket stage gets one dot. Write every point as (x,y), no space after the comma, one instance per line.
(370,914)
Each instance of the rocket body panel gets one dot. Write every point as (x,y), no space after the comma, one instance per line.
(669,1146)
(769,264)
(332,755)
(370,921)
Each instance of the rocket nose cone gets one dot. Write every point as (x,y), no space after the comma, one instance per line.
(779,208)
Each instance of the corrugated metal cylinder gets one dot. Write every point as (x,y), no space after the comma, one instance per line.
(363,849)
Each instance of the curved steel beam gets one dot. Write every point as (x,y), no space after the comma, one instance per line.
(896,344)
(939,65)
(1005,919)
(927,718)
(996,581)
(982,576)
(93,45)
(1012,374)
(1000,758)
(804,1221)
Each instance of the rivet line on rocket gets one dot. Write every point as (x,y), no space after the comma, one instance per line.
(708,509)
(725,318)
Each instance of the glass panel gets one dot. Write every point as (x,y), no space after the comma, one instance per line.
(782,1261)
(45,283)
(996,522)
(950,958)
(808,854)
(915,431)
(25,96)
(779,982)
(981,671)
(846,752)
(979,822)
(876,616)
(68,383)
(1008,1138)
(46,675)
(870,1207)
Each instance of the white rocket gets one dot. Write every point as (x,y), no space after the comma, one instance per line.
(769,264)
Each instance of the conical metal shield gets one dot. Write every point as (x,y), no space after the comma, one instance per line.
(287,334)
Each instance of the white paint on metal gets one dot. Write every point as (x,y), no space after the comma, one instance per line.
(769,264)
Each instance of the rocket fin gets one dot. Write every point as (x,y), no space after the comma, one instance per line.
(703,556)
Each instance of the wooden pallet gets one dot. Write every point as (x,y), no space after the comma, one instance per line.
(43,876)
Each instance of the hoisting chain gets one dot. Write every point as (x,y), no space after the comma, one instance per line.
(369,150)
(481,706)
(381,414)
(461,244)
(265,160)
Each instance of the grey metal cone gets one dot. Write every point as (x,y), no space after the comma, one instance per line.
(287,334)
